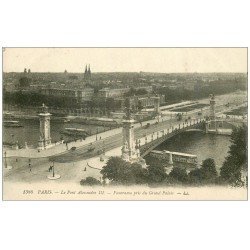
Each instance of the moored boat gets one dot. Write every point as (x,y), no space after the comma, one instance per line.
(15,124)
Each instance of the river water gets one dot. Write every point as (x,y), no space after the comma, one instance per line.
(30,131)
(200,144)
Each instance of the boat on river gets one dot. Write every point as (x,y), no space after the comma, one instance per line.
(14,124)
(74,131)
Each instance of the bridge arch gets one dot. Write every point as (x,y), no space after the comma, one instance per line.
(152,144)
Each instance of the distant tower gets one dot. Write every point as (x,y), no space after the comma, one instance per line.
(212,107)
(29,71)
(87,73)
(129,150)
(44,118)
(25,71)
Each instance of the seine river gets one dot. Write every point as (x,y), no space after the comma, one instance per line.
(200,144)
(30,131)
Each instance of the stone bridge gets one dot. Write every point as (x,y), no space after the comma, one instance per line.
(223,125)
(149,145)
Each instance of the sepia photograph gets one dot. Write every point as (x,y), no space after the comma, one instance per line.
(124,123)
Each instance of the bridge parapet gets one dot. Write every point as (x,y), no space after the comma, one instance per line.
(152,143)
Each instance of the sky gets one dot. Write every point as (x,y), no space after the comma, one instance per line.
(165,60)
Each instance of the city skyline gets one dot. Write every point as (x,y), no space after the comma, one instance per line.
(105,60)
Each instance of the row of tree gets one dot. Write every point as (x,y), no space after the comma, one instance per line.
(123,173)
(201,91)
(33,99)
(235,164)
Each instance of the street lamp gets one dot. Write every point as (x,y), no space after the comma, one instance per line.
(104,147)
(54,176)
(96,138)
(5,162)
(29,164)
(103,152)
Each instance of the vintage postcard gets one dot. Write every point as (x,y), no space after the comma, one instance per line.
(124,124)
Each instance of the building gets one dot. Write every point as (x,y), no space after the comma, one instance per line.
(119,92)
(145,101)
(108,92)
(76,93)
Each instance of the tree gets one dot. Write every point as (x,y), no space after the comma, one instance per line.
(141,92)
(178,175)
(156,173)
(118,171)
(121,172)
(24,82)
(140,174)
(132,92)
(208,169)
(110,103)
(90,181)
(236,161)
(196,176)
(204,175)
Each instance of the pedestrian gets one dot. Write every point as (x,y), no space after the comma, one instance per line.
(30,167)
(100,137)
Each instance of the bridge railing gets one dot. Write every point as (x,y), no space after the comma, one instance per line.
(161,136)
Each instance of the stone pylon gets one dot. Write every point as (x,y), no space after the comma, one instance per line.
(44,118)
(130,149)
(212,107)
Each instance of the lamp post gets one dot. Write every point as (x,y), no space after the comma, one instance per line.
(96,138)
(5,162)
(103,151)
(54,176)
(29,164)
(104,147)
